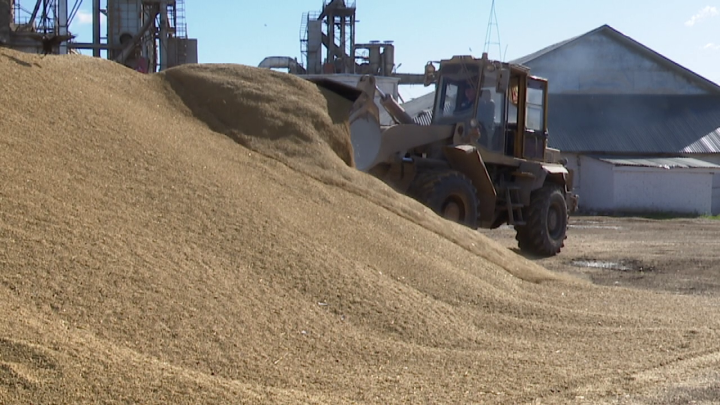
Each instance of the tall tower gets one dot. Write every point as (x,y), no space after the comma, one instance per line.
(334,29)
(492,25)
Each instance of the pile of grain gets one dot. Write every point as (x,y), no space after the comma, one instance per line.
(201,237)
(278,113)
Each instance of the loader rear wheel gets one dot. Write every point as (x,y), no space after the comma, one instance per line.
(545,232)
(449,194)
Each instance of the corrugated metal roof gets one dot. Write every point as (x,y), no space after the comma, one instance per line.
(420,104)
(710,142)
(634,124)
(663,163)
(424,118)
(632,44)
(527,58)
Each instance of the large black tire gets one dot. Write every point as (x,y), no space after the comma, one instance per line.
(546,218)
(449,194)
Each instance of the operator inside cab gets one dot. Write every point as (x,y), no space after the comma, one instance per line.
(469,97)
(485,111)
(486,115)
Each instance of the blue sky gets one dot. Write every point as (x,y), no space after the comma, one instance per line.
(241,31)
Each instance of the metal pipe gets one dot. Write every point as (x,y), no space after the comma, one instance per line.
(62,29)
(44,16)
(90,45)
(352,43)
(163,35)
(35,11)
(331,48)
(96,28)
(410,78)
(343,44)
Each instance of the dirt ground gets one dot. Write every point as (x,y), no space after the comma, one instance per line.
(674,256)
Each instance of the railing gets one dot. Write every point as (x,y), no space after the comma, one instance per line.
(181,28)
(347,5)
(309,16)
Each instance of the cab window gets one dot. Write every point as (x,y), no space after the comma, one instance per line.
(535,109)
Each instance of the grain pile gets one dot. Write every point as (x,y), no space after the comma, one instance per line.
(188,238)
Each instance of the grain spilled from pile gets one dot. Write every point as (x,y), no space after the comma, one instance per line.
(200,236)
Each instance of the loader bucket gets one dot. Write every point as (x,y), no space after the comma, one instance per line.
(365,132)
(367,139)
(371,144)
(348,92)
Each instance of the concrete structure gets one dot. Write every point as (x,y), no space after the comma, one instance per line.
(618,111)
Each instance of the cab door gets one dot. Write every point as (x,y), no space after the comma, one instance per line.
(536,132)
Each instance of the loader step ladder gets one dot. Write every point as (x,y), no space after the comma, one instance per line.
(514,205)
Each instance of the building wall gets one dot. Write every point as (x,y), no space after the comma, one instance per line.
(598,64)
(712,158)
(662,190)
(574,165)
(707,157)
(596,185)
(603,187)
(716,194)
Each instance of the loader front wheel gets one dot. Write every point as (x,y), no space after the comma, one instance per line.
(449,194)
(545,232)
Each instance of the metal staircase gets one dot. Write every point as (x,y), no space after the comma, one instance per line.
(309,16)
(514,205)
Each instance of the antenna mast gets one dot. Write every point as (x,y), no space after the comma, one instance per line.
(489,41)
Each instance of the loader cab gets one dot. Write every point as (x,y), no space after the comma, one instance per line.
(467,96)
(496,106)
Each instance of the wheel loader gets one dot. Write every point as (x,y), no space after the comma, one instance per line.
(482,159)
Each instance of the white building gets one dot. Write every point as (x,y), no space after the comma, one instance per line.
(678,185)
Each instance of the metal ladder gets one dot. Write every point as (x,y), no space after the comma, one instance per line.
(514,206)
(180,22)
